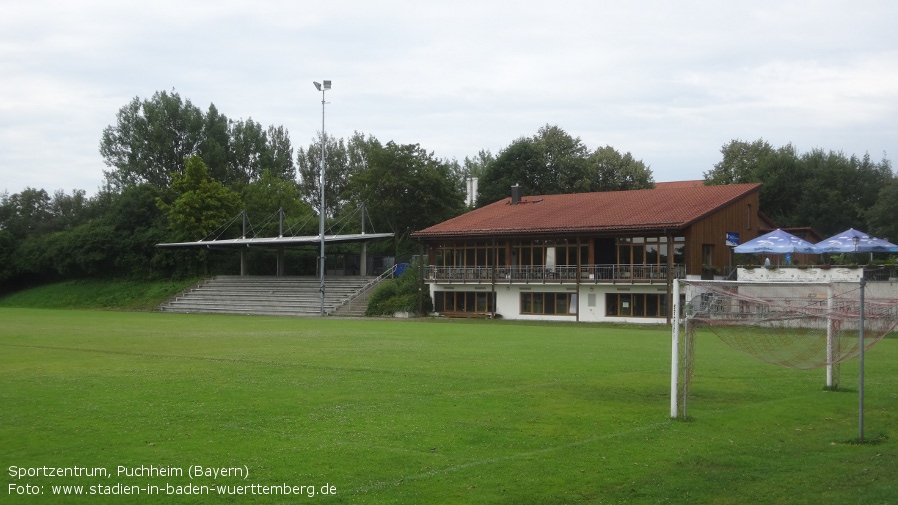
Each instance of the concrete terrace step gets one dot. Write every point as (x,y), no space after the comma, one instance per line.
(284,296)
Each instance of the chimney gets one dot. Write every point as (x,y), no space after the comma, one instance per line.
(515,194)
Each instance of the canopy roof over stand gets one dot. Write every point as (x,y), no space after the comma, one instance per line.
(275,242)
(279,243)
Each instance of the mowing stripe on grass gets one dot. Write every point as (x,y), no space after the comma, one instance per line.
(511,457)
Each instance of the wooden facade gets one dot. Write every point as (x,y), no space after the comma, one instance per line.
(590,257)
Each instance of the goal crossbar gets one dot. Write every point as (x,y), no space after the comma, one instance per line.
(799,325)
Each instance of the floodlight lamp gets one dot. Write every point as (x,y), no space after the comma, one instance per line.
(327,85)
(318,85)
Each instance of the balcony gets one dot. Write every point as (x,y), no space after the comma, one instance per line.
(585,274)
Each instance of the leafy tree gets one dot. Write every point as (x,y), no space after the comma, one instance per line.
(828,191)
(407,189)
(784,177)
(519,163)
(563,157)
(8,245)
(69,211)
(740,164)
(139,225)
(279,156)
(839,190)
(151,140)
(201,204)
(609,170)
(27,212)
(249,156)
(880,217)
(216,144)
(479,164)
(264,197)
(553,162)
(342,161)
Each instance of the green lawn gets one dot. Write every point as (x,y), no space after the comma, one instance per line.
(426,412)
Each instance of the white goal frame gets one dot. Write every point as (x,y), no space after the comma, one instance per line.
(678,386)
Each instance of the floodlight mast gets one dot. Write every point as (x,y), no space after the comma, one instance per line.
(322,88)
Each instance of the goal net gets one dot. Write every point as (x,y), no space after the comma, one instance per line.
(790,324)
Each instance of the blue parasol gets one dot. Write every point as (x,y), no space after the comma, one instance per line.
(777,242)
(851,241)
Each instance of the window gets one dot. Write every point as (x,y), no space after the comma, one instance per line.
(648,250)
(636,305)
(466,254)
(561,304)
(708,254)
(545,253)
(464,301)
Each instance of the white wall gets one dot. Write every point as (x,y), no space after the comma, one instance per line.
(508,300)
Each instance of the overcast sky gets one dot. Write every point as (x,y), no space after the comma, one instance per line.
(669,82)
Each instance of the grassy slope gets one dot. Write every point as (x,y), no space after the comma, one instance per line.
(433,412)
(91,294)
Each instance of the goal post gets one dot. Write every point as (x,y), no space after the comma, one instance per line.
(799,325)
(675,352)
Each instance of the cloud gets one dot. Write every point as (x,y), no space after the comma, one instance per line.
(669,82)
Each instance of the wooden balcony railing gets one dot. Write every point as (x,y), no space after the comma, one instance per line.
(585,274)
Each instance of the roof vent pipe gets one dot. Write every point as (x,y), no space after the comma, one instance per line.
(515,194)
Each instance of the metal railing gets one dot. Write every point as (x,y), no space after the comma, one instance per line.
(881,273)
(388,274)
(564,274)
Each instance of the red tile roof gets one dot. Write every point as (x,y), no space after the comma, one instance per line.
(679,184)
(668,206)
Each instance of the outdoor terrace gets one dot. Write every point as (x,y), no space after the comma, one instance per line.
(584,274)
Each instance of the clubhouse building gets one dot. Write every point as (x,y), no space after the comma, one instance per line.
(609,256)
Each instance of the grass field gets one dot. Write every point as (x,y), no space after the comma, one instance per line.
(423,412)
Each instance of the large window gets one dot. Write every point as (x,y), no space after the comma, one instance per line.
(559,304)
(649,250)
(468,254)
(636,305)
(547,253)
(464,301)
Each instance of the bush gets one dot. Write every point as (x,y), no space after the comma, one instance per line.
(399,295)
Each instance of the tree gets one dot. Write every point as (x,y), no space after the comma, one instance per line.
(519,163)
(406,189)
(249,146)
(341,161)
(139,225)
(69,211)
(609,170)
(826,190)
(838,190)
(740,163)
(216,143)
(279,157)
(554,162)
(264,197)
(880,217)
(26,213)
(479,164)
(784,177)
(201,204)
(563,157)
(151,140)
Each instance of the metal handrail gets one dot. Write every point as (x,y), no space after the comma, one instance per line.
(380,278)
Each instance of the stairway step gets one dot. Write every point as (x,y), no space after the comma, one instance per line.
(284,296)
